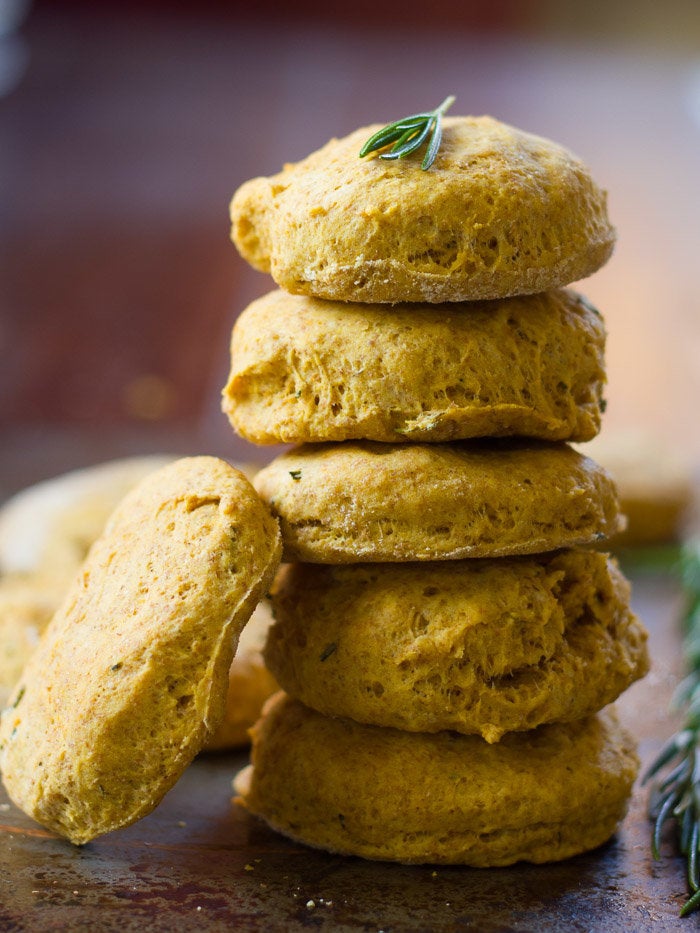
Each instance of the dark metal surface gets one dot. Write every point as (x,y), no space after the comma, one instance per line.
(199,863)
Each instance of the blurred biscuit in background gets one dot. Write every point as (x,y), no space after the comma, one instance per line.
(50,526)
(657,485)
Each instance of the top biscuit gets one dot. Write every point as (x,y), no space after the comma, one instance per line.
(500,212)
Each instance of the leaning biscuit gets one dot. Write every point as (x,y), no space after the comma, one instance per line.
(537,796)
(501,212)
(46,531)
(130,677)
(303,370)
(476,646)
(364,501)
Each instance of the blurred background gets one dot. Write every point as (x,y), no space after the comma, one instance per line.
(126,127)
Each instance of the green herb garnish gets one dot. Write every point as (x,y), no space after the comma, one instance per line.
(328,651)
(409,134)
(18,699)
(295,474)
(676,792)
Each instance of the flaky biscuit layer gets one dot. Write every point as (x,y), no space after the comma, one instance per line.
(537,796)
(477,646)
(303,370)
(362,501)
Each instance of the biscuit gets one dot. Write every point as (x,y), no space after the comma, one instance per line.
(249,684)
(130,676)
(362,501)
(501,212)
(26,606)
(27,603)
(656,484)
(477,646)
(49,526)
(303,369)
(537,796)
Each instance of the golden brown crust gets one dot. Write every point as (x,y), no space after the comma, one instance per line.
(364,501)
(130,676)
(304,370)
(46,531)
(477,646)
(537,796)
(501,212)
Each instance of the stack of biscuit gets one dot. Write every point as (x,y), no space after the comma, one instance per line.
(449,635)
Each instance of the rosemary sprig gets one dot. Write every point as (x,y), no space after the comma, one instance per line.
(676,793)
(409,134)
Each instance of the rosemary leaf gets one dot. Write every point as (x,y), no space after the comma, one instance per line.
(691,904)
(407,143)
(408,134)
(434,145)
(680,772)
(686,830)
(677,745)
(664,811)
(693,857)
(386,136)
(676,795)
